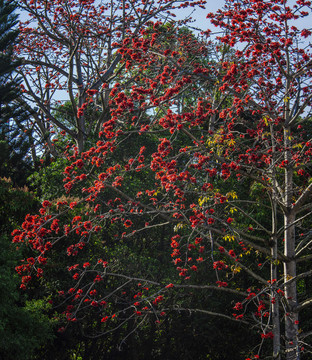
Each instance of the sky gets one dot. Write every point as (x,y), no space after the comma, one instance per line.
(213,5)
(199,15)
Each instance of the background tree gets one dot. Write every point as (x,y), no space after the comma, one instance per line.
(14,135)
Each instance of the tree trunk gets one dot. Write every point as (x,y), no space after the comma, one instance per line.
(275,310)
(291,320)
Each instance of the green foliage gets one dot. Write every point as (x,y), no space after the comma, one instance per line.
(47,182)
(22,328)
(24,325)
(14,205)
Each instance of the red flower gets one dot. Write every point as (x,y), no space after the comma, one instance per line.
(73,204)
(46,203)
(97,278)
(91,92)
(269,335)
(87,225)
(238,306)
(128,223)
(158,299)
(232,253)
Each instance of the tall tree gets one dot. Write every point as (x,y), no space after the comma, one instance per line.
(231,168)
(14,136)
(69,51)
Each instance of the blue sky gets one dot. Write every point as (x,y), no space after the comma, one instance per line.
(214,5)
(199,15)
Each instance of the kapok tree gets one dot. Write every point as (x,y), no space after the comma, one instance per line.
(69,51)
(231,172)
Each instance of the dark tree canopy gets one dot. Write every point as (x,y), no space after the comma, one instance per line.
(14,139)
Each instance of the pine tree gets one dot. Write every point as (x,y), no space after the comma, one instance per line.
(14,138)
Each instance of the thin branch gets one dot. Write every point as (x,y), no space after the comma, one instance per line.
(302,198)
(304,304)
(213,314)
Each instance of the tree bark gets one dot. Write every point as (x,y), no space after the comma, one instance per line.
(291,318)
